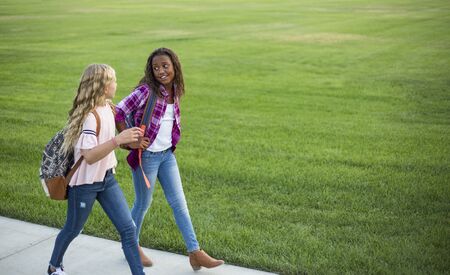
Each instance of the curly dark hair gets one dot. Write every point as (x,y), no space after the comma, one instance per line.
(150,79)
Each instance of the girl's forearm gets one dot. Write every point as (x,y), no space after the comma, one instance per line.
(98,152)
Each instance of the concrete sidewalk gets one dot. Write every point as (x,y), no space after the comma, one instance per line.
(25,249)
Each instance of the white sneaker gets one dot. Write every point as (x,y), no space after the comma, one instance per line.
(59,271)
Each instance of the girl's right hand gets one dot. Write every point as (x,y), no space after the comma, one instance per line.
(129,135)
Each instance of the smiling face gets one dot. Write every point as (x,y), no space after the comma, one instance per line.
(163,70)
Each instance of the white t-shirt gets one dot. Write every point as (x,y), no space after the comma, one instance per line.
(88,174)
(163,139)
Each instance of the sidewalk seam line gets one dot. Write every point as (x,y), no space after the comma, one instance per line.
(31,245)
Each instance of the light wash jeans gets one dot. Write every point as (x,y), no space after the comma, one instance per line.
(162,165)
(79,205)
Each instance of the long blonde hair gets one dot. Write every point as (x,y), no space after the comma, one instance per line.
(90,94)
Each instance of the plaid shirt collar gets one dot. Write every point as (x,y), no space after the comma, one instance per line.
(165,93)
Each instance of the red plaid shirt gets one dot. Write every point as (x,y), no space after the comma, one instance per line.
(136,101)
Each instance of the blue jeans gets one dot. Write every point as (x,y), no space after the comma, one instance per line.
(162,165)
(79,205)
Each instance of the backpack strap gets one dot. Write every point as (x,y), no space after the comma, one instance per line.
(148,112)
(77,165)
(112,106)
(149,108)
(99,123)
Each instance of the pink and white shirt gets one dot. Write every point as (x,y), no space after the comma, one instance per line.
(90,173)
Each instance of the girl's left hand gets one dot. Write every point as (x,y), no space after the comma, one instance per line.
(145,142)
(142,143)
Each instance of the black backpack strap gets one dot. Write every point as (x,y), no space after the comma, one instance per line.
(148,112)
(149,108)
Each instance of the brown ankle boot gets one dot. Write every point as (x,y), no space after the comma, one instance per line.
(199,258)
(144,259)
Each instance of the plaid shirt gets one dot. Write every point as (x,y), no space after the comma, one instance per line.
(136,101)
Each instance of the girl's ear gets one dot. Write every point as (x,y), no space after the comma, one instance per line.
(105,90)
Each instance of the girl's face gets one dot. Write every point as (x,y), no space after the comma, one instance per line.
(163,70)
(110,90)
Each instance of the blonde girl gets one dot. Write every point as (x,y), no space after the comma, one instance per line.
(94,179)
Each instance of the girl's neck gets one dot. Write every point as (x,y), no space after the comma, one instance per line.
(170,91)
(102,102)
(169,88)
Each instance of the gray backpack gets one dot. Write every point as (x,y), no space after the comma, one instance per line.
(55,172)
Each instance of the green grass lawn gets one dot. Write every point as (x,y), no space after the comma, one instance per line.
(315,133)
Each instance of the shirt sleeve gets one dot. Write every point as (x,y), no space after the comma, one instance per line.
(88,138)
(132,102)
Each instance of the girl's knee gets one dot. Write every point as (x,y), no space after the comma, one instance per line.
(70,234)
(142,204)
(128,232)
(178,204)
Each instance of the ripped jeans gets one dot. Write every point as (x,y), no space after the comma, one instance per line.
(79,205)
